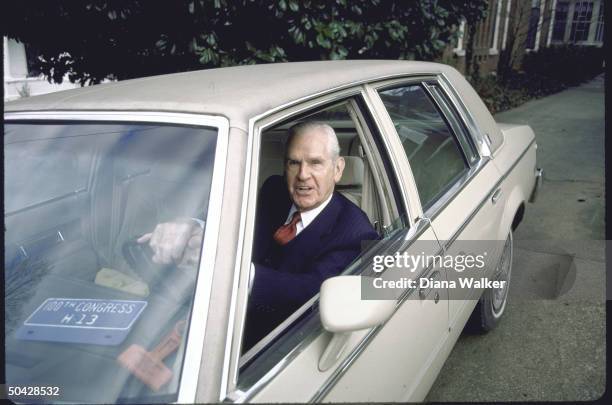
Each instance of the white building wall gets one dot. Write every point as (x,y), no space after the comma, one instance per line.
(17,84)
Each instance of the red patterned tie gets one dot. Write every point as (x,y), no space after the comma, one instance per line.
(285,233)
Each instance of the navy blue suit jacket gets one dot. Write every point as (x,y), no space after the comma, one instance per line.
(287,276)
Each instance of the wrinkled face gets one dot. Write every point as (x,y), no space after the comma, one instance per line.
(310,170)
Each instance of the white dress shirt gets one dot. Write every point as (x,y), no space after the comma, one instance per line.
(306,216)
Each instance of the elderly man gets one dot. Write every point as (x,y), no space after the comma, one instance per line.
(305,232)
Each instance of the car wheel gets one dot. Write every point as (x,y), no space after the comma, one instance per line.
(492,303)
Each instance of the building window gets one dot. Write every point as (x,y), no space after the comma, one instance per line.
(599,33)
(534,20)
(561,13)
(581,22)
(481,35)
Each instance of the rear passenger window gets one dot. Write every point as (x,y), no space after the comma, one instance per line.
(432,150)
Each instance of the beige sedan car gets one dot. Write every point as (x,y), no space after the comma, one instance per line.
(91,318)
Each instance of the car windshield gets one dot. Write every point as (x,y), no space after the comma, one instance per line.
(87,311)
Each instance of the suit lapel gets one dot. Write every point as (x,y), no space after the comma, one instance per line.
(296,255)
(310,238)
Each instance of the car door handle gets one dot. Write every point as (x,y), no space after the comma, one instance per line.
(496,195)
(424,292)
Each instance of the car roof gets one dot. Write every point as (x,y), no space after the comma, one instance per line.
(238,93)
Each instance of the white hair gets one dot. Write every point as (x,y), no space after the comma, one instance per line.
(301,127)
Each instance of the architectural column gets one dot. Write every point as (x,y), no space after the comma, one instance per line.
(551,22)
(5,58)
(459,51)
(539,27)
(570,21)
(507,22)
(494,48)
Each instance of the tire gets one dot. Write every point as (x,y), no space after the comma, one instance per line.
(492,303)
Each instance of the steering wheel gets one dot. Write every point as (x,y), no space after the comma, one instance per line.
(139,256)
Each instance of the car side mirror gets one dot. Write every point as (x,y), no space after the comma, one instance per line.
(343,311)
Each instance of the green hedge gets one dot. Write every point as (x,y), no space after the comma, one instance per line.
(498,96)
(545,72)
(568,65)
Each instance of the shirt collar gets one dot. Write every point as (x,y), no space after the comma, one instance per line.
(310,215)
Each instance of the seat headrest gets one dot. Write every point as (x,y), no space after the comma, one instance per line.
(353,172)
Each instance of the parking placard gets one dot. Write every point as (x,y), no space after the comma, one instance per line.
(82,320)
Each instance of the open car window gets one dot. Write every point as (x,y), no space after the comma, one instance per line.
(351,185)
(364,183)
(83,300)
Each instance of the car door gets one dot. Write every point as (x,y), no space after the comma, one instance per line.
(286,365)
(455,181)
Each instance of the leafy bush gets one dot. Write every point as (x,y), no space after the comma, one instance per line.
(545,72)
(498,96)
(569,65)
(96,39)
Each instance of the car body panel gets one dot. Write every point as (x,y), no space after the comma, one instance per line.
(212,359)
(466,95)
(402,369)
(230,92)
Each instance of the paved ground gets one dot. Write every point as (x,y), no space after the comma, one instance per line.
(551,343)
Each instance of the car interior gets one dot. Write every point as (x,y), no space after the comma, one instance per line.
(357,182)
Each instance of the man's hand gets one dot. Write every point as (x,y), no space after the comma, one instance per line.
(191,255)
(175,242)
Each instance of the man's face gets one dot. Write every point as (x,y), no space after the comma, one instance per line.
(311,172)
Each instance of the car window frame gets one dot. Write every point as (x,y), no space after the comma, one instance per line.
(454,128)
(352,105)
(453,119)
(465,125)
(201,299)
(482,140)
(228,390)
(425,86)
